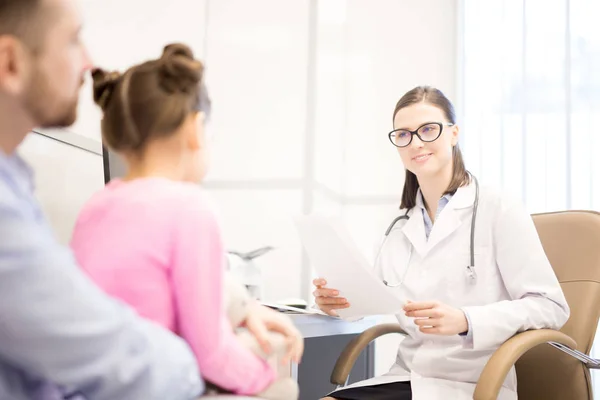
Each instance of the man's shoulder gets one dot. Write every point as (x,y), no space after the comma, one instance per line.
(11,203)
(8,196)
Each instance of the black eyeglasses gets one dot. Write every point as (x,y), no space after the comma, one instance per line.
(428,132)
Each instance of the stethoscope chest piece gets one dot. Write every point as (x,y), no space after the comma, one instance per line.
(471,275)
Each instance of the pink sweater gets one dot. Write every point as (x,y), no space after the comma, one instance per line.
(156,245)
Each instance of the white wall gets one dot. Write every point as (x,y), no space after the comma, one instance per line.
(120,33)
(367,57)
(303,93)
(65,178)
(257,66)
(303,98)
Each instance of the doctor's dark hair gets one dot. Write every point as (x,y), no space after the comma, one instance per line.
(460,176)
(151,100)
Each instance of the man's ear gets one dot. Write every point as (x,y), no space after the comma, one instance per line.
(13,65)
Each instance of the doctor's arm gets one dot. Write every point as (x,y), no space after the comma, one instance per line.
(537,300)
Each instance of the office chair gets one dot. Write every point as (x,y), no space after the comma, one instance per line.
(550,365)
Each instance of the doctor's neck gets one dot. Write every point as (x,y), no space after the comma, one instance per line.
(433,188)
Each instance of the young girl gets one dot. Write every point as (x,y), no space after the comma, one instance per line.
(459,310)
(152,239)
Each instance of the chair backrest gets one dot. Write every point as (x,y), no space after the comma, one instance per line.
(571,240)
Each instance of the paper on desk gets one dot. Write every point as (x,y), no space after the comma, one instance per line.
(295,310)
(335,257)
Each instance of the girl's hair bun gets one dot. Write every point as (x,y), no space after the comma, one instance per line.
(179,71)
(104,86)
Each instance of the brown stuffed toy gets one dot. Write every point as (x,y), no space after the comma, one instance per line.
(237,303)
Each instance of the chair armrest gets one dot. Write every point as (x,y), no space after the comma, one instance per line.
(226,397)
(495,371)
(346,361)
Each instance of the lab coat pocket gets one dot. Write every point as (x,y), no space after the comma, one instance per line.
(468,282)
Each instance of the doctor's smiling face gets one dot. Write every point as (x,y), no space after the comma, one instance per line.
(429,151)
(426,136)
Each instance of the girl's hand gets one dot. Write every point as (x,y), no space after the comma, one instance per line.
(261,320)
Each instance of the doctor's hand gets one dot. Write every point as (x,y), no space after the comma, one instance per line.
(261,320)
(437,318)
(327,299)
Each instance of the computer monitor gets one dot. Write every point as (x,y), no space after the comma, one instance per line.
(114,167)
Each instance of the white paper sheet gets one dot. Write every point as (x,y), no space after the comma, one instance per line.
(293,310)
(335,257)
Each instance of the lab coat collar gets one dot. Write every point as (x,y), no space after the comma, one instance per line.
(447,222)
(421,203)
(449,219)
(414,230)
(464,196)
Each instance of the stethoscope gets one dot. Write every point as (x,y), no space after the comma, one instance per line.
(471,274)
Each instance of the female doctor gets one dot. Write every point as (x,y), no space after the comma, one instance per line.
(466,296)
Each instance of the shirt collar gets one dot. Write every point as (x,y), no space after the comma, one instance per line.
(421,203)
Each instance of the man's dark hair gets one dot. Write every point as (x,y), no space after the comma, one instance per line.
(20,18)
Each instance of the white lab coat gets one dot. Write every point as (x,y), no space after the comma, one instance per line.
(515,290)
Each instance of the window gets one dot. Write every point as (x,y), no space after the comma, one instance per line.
(531,99)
